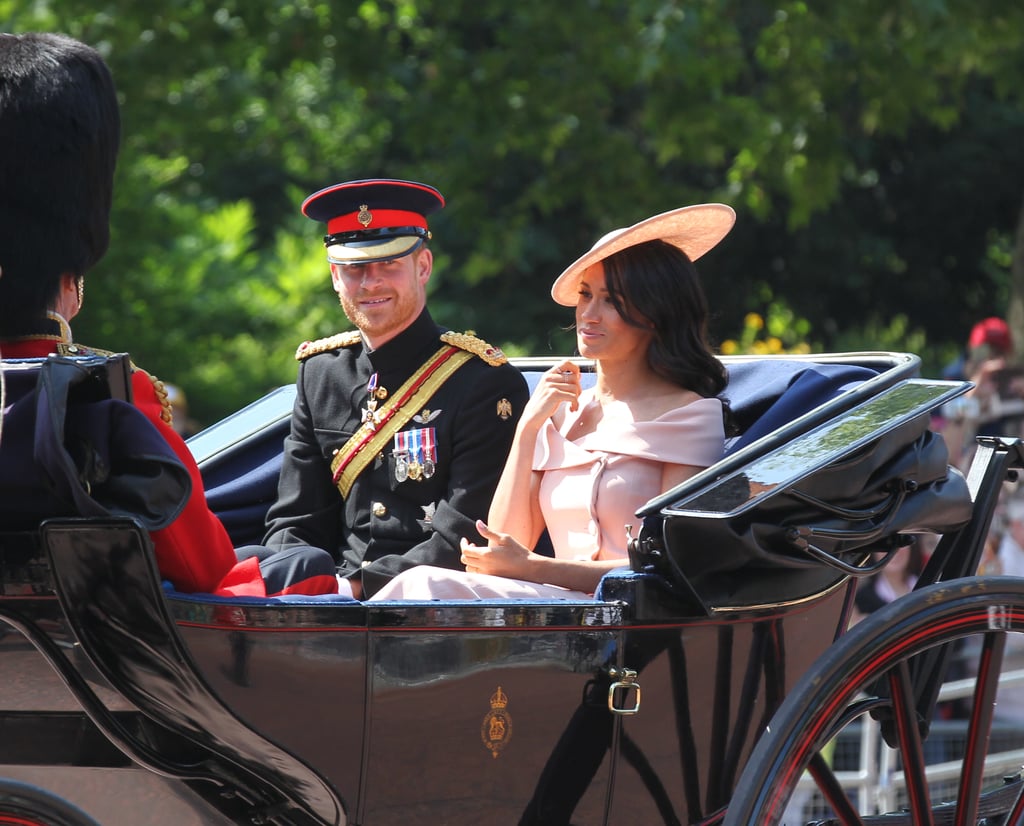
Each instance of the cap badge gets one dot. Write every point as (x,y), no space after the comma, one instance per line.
(365,216)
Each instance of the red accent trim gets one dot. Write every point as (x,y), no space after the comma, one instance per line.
(394,408)
(311,586)
(379,218)
(29,348)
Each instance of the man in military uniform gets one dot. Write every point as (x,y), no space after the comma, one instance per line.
(400,428)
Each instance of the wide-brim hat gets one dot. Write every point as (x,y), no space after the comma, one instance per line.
(377,219)
(693,229)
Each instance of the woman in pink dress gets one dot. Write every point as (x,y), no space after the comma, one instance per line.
(583,462)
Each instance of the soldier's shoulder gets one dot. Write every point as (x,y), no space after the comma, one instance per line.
(326,345)
(477,346)
(77,349)
(159,388)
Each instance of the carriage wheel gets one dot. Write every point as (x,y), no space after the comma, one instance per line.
(848,746)
(22,804)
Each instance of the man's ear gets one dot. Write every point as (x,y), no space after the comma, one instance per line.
(424,264)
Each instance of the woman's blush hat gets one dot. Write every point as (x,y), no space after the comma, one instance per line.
(693,229)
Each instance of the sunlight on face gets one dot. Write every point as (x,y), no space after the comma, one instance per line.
(601,333)
(382,299)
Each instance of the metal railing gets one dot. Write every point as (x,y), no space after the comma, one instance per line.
(877,782)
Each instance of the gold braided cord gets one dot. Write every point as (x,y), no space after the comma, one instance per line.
(359,451)
(323,345)
(478,347)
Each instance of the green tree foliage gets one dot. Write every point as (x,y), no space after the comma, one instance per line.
(870,150)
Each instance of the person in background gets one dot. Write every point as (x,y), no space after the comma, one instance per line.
(995,406)
(1010,562)
(896,579)
(400,427)
(182,423)
(59,140)
(583,462)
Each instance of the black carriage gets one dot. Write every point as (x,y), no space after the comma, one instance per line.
(710,680)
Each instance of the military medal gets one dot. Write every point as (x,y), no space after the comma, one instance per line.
(401,467)
(375,393)
(415,470)
(429,452)
(415,453)
(401,454)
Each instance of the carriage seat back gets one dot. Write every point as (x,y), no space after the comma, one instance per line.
(762,394)
(74,445)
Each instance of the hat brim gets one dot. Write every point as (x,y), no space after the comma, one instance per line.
(370,252)
(693,229)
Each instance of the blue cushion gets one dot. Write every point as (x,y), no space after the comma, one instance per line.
(764,395)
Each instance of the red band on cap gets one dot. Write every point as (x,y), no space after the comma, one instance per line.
(378,218)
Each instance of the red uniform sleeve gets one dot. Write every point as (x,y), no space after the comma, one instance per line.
(194,552)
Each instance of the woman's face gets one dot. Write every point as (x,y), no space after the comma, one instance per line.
(601,333)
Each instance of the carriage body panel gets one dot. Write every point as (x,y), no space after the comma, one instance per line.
(645,701)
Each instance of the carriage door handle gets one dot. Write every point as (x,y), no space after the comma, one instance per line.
(623,683)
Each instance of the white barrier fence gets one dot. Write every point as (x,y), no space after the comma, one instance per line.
(875,779)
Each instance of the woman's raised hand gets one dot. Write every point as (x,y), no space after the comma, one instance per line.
(559,385)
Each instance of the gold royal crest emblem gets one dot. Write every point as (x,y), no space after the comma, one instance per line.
(496,729)
(365,216)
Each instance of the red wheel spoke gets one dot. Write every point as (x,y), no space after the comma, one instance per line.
(833,792)
(990,664)
(909,733)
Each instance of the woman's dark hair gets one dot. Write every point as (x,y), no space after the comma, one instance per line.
(60,131)
(655,286)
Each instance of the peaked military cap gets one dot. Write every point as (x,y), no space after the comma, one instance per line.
(373,220)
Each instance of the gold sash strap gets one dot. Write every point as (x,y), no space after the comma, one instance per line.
(377,430)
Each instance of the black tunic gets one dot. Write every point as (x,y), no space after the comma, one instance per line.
(385,526)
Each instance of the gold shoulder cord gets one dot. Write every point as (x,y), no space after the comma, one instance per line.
(468,341)
(323,345)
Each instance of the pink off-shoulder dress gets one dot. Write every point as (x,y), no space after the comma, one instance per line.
(591,488)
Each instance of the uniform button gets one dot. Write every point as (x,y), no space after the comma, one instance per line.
(365,563)
(379,509)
